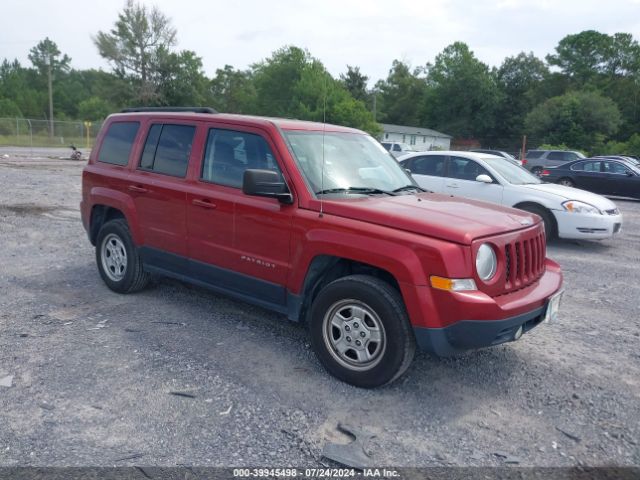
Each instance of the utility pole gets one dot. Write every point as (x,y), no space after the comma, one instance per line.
(375,101)
(50,98)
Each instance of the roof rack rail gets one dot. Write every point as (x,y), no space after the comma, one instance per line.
(169,109)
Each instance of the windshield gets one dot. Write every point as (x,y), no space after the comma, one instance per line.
(512,173)
(351,160)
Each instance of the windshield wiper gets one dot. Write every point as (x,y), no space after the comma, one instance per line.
(362,190)
(411,187)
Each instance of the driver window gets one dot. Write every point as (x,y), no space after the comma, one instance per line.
(229,153)
(614,167)
(466,169)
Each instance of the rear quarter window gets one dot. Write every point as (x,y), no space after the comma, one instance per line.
(117,143)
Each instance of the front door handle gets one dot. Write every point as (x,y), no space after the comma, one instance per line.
(203,203)
(138,189)
(453,185)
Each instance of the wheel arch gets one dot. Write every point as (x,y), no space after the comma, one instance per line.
(108,204)
(538,205)
(324,269)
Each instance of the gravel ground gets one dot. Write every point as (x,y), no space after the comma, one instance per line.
(92,372)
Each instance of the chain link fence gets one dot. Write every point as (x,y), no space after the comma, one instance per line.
(28,132)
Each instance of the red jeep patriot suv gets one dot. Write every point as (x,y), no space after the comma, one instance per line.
(317,222)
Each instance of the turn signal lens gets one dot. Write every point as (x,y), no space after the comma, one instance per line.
(545,173)
(453,284)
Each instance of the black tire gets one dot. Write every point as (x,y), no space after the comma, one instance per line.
(567,182)
(133,277)
(550,228)
(383,302)
(536,171)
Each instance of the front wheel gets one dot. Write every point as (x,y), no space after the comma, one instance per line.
(118,261)
(360,331)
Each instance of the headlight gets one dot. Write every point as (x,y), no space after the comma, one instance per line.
(486,262)
(573,206)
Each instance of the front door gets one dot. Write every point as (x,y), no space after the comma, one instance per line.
(621,180)
(238,242)
(461,181)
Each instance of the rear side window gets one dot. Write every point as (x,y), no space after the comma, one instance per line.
(557,156)
(167,149)
(591,166)
(118,142)
(429,165)
(229,153)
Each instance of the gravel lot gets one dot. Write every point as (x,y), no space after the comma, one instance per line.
(93,371)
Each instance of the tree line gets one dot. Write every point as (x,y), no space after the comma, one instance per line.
(583,96)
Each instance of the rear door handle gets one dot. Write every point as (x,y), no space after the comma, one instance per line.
(138,189)
(203,203)
(453,185)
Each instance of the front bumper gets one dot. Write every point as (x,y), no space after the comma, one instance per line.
(579,226)
(474,334)
(470,320)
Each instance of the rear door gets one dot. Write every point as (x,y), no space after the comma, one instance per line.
(238,242)
(158,190)
(461,181)
(588,176)
(428,171)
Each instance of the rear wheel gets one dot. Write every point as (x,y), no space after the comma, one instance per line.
(118,261)
(360,331)
(547,218)
(567,182)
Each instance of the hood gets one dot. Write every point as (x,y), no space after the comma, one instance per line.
(449,218)
(570,193)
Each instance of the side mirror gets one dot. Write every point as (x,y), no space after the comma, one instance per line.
(408,170)
(265,183)
(484,178)
(629,174)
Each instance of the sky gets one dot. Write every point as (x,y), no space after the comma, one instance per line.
(369,34)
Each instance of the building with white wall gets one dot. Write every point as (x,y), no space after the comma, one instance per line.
(417,138)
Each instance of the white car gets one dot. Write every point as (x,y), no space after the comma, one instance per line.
(397,149)
(567,212)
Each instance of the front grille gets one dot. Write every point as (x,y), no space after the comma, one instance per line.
(524,261)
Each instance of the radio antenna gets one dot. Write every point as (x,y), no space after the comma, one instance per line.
(324,124)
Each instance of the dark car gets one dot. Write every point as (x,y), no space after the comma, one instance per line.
(599,175)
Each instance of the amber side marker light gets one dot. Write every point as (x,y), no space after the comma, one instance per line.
(453,284)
